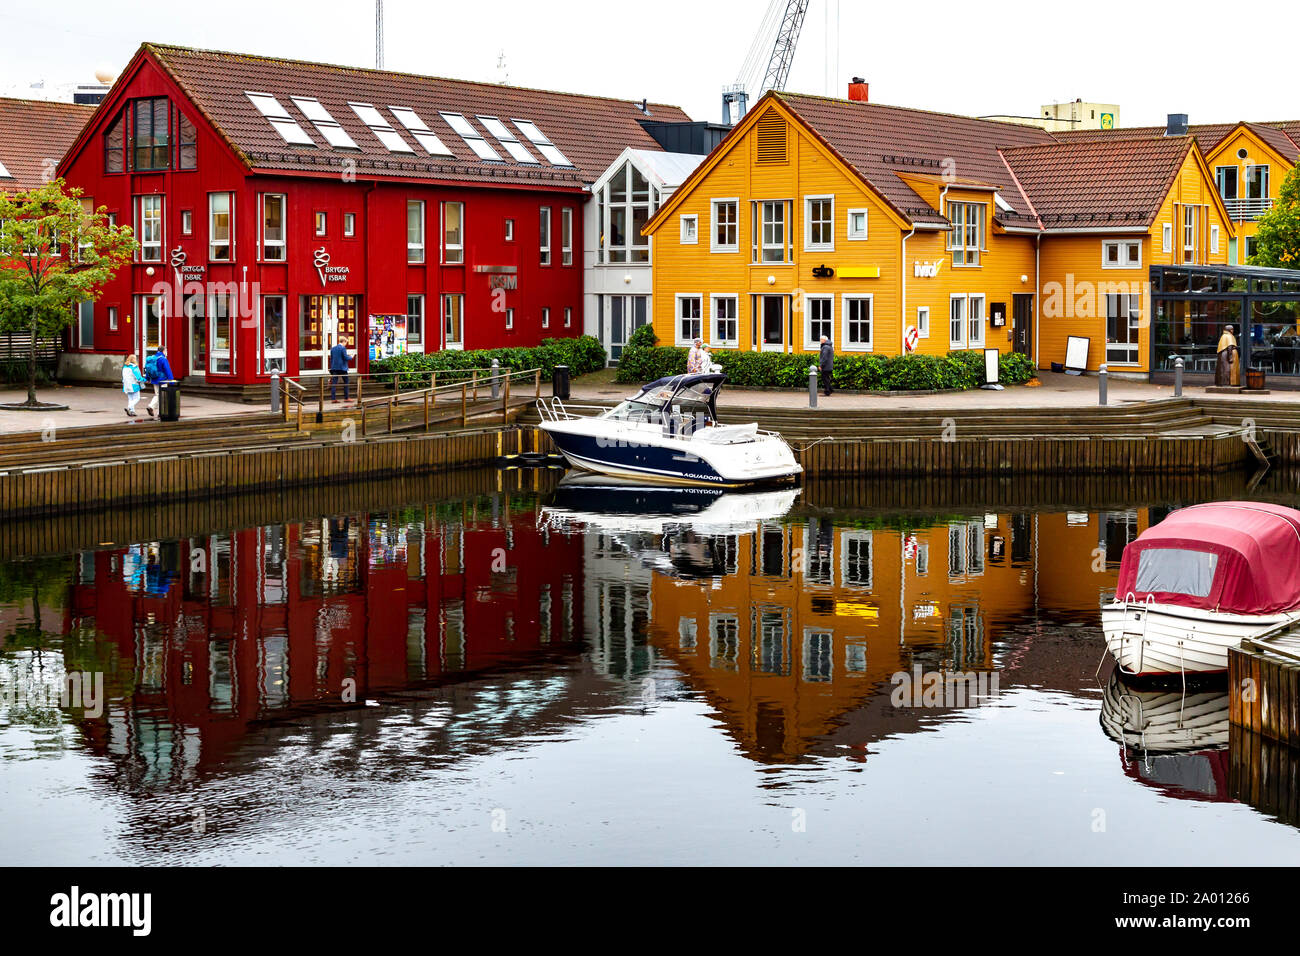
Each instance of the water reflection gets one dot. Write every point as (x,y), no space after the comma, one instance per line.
(338,662)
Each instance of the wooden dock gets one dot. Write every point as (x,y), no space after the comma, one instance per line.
(1264,687)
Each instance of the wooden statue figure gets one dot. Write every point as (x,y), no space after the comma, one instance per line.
(1227,371)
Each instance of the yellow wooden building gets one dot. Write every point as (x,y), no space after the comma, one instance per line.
(888,229)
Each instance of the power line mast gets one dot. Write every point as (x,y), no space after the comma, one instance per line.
(379,34)
(787,38)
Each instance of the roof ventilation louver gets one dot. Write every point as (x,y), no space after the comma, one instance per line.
(382,129)
(420,130)
(543,144)
(472,137)
(507,139)
(280,119)
(325,124)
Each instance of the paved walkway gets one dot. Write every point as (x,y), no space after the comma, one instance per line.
(88,405)
(1056,391)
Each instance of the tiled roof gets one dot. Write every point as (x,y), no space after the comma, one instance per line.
(1208,135)
(589,131)
(1112,182)
(880,142)
(34,135)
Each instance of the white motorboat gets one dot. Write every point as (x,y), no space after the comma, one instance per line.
(1200,582)
(669,432)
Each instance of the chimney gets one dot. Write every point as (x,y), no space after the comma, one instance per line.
(1176,125)
(858,89)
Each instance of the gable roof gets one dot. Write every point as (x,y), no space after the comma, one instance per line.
(590,131)
(879,142)
(1099,183)
(33,132)
(1208,135)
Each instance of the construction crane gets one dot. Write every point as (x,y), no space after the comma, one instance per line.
(779,32)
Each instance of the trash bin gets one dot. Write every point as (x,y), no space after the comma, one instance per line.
(169,401)
(560,382)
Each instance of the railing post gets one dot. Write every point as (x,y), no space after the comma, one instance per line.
(433,383)
(1102,376)
(360,379)
(537,384)
(275,391)
(320,407)
(464,409)
(505,400)
(1178,376)
(812,386)
(427,395)
(496,380)
(391,403)
(473,377)
(363,421)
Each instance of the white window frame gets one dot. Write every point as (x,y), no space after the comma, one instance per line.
(546,316)
(415,251)
(689,229)
(1167,237)
(280,355)
(448,343)
(216,355)
(413,346)
(320,222)
(850,233)
(1214,239)
(812,343)
(958,343)
(681,297)
(151,251)
(112,318)
(923,321)
(971,320)
(510,318)
(544,236)
(1123,260)
(861,538)
(846,343)
(568,317)
(758,221)
(1191,234)
(229,243)
(716,337)
(1130,304)
(973,253)
(510,230)
(349,224)
(187,222)
(808,244)
(566,236)
(453,253)
(281,244)
(714,204)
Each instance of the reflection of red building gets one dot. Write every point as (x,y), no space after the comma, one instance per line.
(213,634)
(279,204)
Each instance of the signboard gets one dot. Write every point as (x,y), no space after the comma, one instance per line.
(1107,120)
(991,366)
(860,272)
(998,314)
(387,336)
(1076,354)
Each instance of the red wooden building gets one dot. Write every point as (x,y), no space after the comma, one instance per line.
(282,206)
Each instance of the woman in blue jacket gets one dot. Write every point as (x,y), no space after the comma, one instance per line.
(131,382)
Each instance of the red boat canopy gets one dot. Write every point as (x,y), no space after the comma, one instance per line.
(1242,557)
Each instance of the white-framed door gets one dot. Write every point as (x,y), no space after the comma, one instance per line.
(772,323)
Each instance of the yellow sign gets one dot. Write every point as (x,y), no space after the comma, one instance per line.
(860,272)
(1107,120)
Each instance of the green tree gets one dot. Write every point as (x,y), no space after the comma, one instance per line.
(1278,238)
(54,253)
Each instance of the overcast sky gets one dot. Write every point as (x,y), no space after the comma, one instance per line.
(1151,58)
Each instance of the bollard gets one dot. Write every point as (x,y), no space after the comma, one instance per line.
(1101,384)
(496,382)
(812,386)
(1178,377)
(275,392)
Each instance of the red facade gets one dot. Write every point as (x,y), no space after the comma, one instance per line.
(229,317)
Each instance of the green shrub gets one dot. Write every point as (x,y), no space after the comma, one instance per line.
(912,372)
(582,355)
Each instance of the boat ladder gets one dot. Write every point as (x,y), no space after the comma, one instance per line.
(1141,612)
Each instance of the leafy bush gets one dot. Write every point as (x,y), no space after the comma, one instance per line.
(582,355)
(912,372)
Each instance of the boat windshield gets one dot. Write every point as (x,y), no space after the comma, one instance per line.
(1176,571)
(635,410)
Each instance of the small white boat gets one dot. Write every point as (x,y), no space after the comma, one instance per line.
(669,432)
(1200,582)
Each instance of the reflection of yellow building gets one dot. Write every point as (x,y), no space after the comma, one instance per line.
(811,620)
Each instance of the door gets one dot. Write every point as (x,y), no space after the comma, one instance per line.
(323,321)
(1022,317)
(773,323)
(197,328)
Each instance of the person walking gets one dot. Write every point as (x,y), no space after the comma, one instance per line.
(698,359)
(131,382)
(156,371)
(827,362)
(339,370)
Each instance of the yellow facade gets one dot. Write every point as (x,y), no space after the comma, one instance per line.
(1246,156)
(1060,282)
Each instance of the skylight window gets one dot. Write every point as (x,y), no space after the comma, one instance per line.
(472,137)
(507,139)
(280,119)
(382,129)
(4,173)
(539,139)
(1002,203)
(420,130)
(325,124)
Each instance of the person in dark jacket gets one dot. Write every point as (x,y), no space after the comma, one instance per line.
(827,361)
(339,370)
(162,372)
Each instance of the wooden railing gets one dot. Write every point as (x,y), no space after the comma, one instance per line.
(307,390)
(463,392)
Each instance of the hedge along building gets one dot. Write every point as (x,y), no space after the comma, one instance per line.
(891,229)
(284,206)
